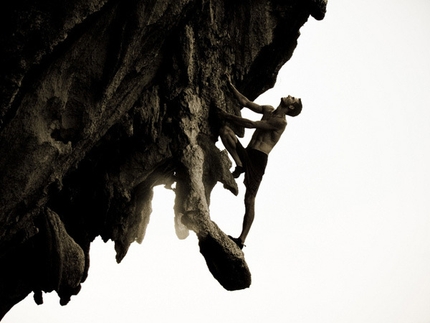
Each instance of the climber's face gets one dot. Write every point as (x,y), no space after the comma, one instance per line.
(289,100)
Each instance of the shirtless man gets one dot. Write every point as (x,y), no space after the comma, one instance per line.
(253,160)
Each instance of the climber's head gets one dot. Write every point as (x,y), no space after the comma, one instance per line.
(293,105)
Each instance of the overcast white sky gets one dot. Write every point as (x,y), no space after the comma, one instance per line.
(342,229)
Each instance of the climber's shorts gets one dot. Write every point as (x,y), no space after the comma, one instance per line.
(254,162)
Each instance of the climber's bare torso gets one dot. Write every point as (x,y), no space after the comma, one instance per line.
(265,139)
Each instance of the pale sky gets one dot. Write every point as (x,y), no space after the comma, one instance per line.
(342,228)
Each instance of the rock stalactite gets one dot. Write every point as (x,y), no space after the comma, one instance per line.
(101,100)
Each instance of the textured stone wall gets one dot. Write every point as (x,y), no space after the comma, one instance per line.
(103,100)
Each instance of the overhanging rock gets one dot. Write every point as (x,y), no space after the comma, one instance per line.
(101,100)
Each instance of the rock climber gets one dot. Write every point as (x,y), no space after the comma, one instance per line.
(252,160)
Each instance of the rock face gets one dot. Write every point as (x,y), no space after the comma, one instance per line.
(101,100)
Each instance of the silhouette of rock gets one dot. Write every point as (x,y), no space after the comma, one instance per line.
(101,100)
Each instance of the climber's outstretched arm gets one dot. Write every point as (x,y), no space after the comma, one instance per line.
(243,100)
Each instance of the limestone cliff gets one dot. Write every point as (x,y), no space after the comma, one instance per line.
(101,100)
